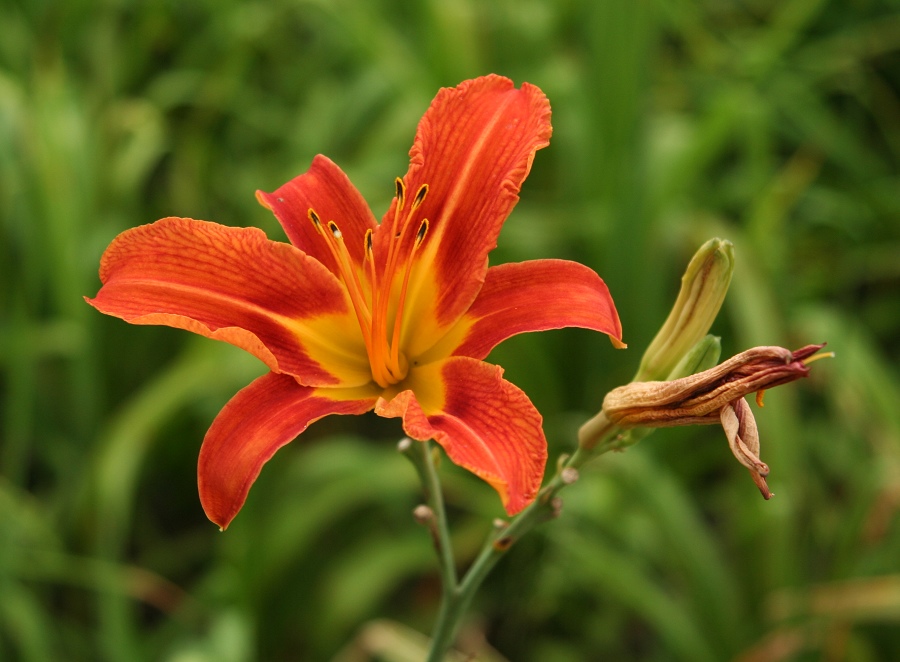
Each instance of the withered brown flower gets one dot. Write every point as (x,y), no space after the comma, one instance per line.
(709,397)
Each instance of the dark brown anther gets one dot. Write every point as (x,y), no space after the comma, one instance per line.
(423,229)
(420,196)
(401,192)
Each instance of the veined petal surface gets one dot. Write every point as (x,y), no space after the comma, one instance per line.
(473,148)
(530,296)
(484,423)
(330,193)
(235,285)
(255,423)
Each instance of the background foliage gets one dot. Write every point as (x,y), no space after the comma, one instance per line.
(773,124)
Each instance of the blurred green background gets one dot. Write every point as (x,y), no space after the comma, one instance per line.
(775,124)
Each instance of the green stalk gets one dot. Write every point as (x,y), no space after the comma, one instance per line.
(458,595)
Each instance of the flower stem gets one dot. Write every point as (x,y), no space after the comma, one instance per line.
(422,456)
(442,535)
(458,595)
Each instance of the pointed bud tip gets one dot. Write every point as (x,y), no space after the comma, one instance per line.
(703,287)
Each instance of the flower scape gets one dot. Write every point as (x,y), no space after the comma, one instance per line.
(354,315)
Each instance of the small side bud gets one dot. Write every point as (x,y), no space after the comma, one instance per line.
(556,506)
(743,439)
(569,475)
(703,287)
(423,514)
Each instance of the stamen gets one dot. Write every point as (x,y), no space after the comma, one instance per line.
(420,235)
(373,304)
(348,272)
(334,240)
(314,217)
(420,196)
(373,298)
(398,230)
(401,192)
(401,301)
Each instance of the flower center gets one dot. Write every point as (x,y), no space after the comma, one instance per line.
(379,297)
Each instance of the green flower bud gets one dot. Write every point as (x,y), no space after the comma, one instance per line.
(702,356)
(703,289)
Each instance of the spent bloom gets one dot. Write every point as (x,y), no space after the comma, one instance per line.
(710,397)
(355,315)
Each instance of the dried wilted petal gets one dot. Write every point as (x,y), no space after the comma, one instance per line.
(709,397)
(698,399)
(743,439)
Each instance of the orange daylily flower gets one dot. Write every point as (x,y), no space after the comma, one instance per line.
(354,315)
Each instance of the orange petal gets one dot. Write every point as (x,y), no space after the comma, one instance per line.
(327,190)
(473,148)
(484,423)
(254,424)
(530,296)
(235,285)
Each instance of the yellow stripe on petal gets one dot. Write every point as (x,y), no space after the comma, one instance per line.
(521,297)
(235,285)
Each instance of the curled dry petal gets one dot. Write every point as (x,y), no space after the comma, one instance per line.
(743,439)
(709,397)
(698,399)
